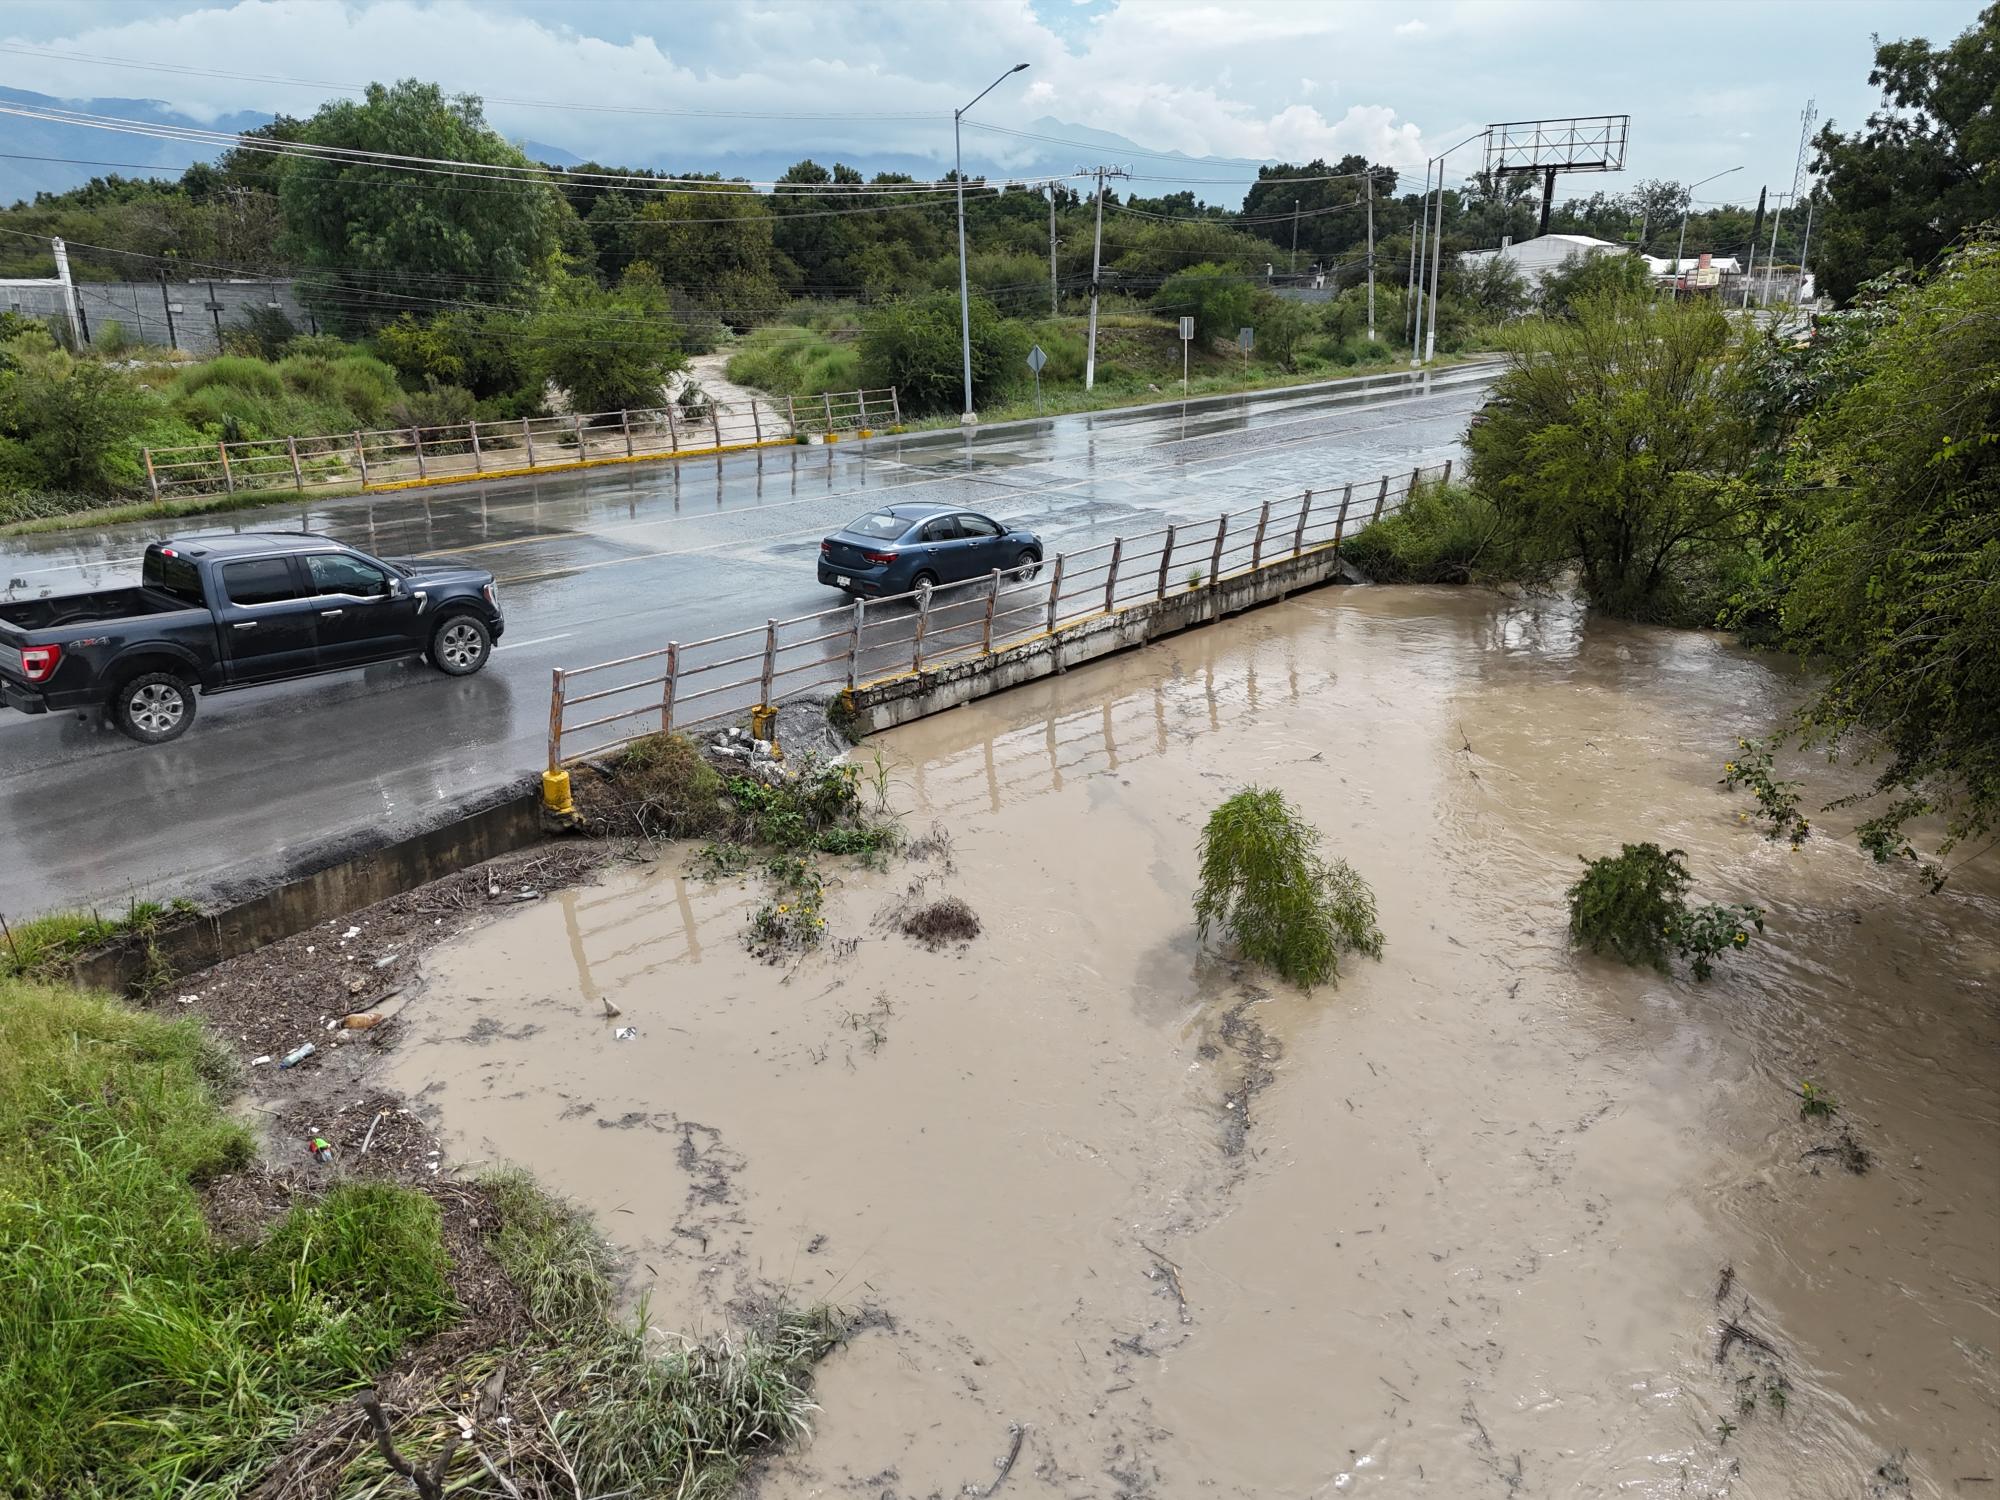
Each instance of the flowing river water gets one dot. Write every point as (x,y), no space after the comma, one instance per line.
(1478,1221)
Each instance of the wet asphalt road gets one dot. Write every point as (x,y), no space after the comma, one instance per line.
(595,565)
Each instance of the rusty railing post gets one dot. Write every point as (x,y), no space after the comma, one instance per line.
(1055,590)
(827,398)
(770,663)
(228,478)
(715,424)
(992,599)
(1416,478)
(556,720)
(478,457)
(528,437)
(670,687)
(361,452)
(1215,558)
(673,431)
(1446,479)
(862,397)
(756,422)
(1381,495)
(1299,532)
(792,415)
(625,426)
(1166,562)
(298,475)
(152,479)
(1340,522)
(854,642)
(417,440)
(1257,547)
(923,624)
(896,404)
(1111,575)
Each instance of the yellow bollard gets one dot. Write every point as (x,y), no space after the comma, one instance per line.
(555,792)
(764,726)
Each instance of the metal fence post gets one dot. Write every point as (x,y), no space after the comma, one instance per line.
(228,478)
(862,397)
(1299,533)
(827,398)
(792,415)
(673,430)
(1447,473)
(1111,577)
(556,720)
(667,688)
(854,641)
(361,452)
(1215,558)
(896,404)
(1381,495)
(770,663)
(923,623)
(625,426)
(756,422)
(992,598)
(1416,478)
(1257,547)
(417,439)
(1055,590)
(152,479)
(1340,522)
(1166,562)
(715,424)
(298,475)
(528,437)
(478,458)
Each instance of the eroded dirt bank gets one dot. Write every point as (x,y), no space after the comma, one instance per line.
(1459,1227)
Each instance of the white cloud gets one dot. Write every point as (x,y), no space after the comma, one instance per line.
(1412,27)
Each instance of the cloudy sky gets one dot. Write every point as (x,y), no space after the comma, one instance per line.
(1708,85)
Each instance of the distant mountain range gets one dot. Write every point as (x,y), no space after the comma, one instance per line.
(41,156)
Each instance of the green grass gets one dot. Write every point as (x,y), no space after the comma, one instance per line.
(139,1356)
(44,947)
(96,512)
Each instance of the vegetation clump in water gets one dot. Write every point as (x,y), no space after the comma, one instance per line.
(1264,882)
(1634,905)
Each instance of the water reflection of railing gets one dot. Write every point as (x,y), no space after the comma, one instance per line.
(1102,737)
(625,932)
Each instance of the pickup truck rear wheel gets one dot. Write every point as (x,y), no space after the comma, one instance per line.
(153,707)
(460,645)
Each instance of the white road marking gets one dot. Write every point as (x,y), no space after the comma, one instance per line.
(540,640)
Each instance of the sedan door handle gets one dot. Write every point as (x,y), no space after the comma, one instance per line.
(244,625)
(328,614)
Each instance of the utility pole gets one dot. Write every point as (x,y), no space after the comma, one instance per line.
(1806,118)
(1054,307)
(167,302)
(1413,294)
(76,332)
(1293,269)
(1096,262)
(1437,264)
(1680,246)
(1806,246)
(1756,233)
(1369,180)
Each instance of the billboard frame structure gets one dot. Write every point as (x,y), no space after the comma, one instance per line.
(1568,143)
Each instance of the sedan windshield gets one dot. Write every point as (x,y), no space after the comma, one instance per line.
(880,525)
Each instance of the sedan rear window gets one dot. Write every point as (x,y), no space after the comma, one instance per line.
(881,524)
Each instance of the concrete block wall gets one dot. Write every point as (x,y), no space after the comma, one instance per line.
(141,308)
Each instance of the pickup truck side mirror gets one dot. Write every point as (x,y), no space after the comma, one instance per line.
(398,588)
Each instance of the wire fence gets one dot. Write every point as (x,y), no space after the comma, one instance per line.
(386,458)
(688,685)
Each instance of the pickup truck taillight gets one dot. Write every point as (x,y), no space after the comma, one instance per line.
(38,663)
(880,557)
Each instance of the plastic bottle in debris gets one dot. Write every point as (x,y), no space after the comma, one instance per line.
(321,1148)
(297,1055)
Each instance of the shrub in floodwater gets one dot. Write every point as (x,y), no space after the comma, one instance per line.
(1264,882)
(1634,905)
(1815,1103)
(673,791)
(1777,801)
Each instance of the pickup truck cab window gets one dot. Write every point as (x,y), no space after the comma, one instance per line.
(172,575)
(337,573)
(260,580)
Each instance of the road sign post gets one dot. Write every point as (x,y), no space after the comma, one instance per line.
(1036,359)
(1246,340)
(1187,337)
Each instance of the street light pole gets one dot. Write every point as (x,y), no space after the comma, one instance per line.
(964,301)
(1369,179)
(1681,244)
(1294,268)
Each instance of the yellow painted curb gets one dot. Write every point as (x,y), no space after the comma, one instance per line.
(432,481)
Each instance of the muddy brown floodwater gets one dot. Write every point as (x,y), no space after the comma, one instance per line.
(1458,1227)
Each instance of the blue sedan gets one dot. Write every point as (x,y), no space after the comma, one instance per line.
(903,547)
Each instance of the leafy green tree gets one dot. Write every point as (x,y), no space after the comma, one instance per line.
(1926,167)
(714,245)
(1621,439)
(67,423)
(607,350)
(1282,327)
(1490,287)
(373,238)
(1893,573)
(1579,279)
(1218,299)
(915,347)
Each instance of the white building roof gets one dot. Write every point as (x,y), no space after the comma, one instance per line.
(1537,257)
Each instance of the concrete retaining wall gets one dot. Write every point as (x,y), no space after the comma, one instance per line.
(512,822)
(141,308)
(912,695)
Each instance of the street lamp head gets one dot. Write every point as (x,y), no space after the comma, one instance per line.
(1017,67)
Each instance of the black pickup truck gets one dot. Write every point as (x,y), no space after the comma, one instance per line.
(230,611)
